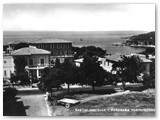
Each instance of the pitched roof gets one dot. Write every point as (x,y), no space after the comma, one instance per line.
(29,51)
(116,57)
(144,60)
(79,60)
(50,40)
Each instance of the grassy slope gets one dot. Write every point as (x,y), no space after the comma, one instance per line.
(133,100)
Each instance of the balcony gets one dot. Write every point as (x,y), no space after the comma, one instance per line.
(37,66)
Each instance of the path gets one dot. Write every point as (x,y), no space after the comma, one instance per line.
(34,102)
(103,96)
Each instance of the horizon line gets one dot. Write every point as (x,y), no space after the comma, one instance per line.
(72,30)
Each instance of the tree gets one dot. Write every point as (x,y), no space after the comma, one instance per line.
(93,74)
(57,63)
(21,45)
(13,78)
(71,73)
(128,68)
(5,47)
(89,50)
(52,78)
(20,71)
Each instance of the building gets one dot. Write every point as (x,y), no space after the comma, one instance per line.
(100,59)
(110,60)
(37,59)
(78,62)
(59,48)
(8,66)
(12,45)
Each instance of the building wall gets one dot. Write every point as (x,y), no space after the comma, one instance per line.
(8,66)
(36,60)
(57,49)
(146,68)
(107,65)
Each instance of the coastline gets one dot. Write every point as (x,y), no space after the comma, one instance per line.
(143,46)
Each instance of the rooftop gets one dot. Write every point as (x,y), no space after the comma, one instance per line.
(50,40)
(16,42)
(79,60)
(29,51)
(116,57)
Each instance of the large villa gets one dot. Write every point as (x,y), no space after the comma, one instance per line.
(38,55)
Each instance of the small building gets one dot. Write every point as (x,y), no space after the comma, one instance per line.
(111,59)
(59,48)
(118,56)
(37,59)
(78,62)
(100,59)
(8,66)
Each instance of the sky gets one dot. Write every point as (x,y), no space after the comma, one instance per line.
(78,17)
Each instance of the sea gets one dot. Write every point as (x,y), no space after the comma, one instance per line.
(103,39)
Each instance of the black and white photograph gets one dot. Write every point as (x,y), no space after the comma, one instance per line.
(79,59)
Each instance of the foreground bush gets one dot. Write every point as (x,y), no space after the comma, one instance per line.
(9,100)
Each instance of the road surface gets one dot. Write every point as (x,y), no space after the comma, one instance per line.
(33,101)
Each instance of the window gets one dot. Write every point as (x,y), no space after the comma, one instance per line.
(30,61)
(42,61)
(5,73)
(58,53)
(62,52)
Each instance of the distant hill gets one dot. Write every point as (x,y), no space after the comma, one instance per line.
(142,39)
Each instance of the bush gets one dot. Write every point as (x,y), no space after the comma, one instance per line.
(41,86)
(10,92)
(9,100)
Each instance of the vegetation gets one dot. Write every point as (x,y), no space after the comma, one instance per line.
(5,47)
(89,73)
(8,100)
(120,105)
(93,74)
(149,50)
(127,69)
(17,46)
(21,45)
(20,71)
(89,50)
(71,73)
(142,39)
(52,78)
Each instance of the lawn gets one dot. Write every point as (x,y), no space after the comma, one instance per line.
(134,103)
(131,104)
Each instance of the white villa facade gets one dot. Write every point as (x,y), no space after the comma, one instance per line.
(8,66)
(37,59)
